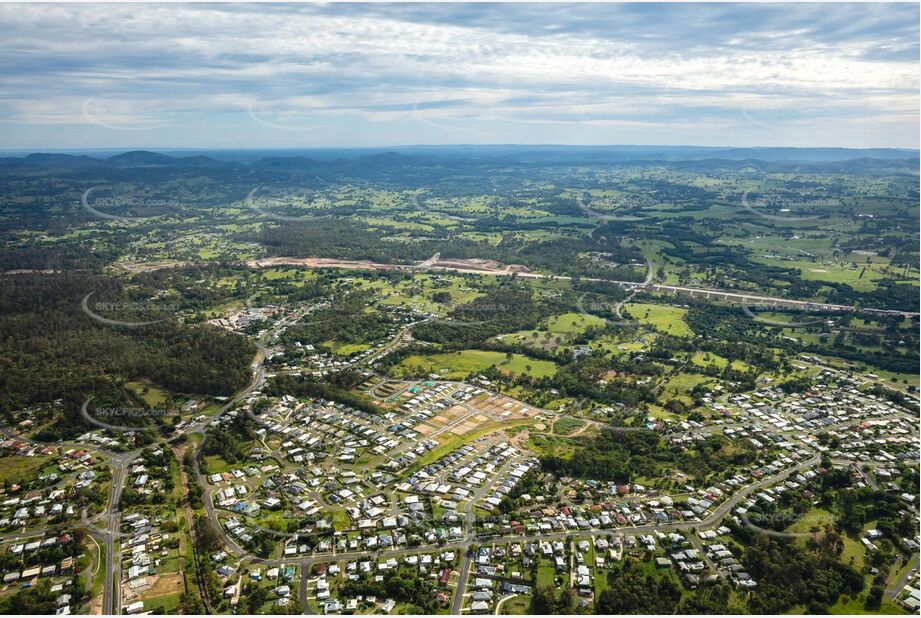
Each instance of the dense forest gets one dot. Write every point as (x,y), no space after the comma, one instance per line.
(622,455)
(50,348)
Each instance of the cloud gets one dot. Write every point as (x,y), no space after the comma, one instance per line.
(429,69)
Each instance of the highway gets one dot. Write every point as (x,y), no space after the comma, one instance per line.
(111,598)
(120,463)
(435,263)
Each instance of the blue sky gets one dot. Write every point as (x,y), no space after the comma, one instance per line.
(270,76)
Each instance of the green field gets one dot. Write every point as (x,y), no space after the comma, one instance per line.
(681,384)
(516,606)
(859,274)
(214,464)
(150,394)
(351,348)
(706,359)
(17,469)
(459,365)
(169,603)
(813,519)
(450,441)
(661,317)
(566,426)
(573,323)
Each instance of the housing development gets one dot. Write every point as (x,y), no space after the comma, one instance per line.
(349,483)
(360,309)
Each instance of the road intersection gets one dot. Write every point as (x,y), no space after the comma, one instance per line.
(120,462)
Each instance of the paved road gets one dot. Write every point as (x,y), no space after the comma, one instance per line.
(464,574)
(121,461)
(718,294)
(470,529)
(893,592)
(711,521)
(110,604)
(470,538)
(695,541)
(302,591)
(773,301)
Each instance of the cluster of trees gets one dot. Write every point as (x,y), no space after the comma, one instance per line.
(889,360)
(255,596)
(50,348)
(345,239)
(632,590)
(262,544)
(547,600)
(790,576)
(94,496)
(620,456)
(230,441)
(506,307)
(352,239)
(860,505)
(36,600)
(730,333)
(887,295)
(611,456)
(580,378)
(346,321)
(194,492)
(207,541)
(531,483)
(334,387)
(46,555)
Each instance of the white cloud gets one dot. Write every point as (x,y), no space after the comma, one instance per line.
(141,65)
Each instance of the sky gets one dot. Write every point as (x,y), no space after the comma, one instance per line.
(297,76)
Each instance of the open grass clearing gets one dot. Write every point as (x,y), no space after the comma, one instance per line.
(663,318)
(459,365)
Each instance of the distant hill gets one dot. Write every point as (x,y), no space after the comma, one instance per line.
(412,160)
(813,154)
(138,158)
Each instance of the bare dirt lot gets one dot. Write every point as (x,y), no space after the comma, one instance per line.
(170,583)
(470,424)
(502,408)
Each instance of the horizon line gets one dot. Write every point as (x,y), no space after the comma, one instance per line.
(40,150)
